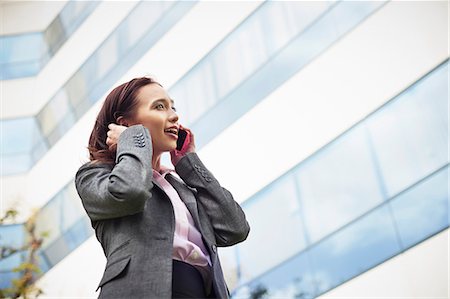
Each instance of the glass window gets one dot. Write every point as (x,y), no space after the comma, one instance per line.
(238,56)
(354,249)
(299,14)
(57,250)
(338,184)
(6,265)
(49,220)
(141,19)
(179,94)
(292,279)
(76,88)
(200,93)
(72,208)
(78,233)
(17,135)
(39,150)
(411,134)
(423,210)
(16,163)
(12,235)
(107,55)
(349,13)
(16,48)
(54,111)
(277,230)
(61,129)
(230,266)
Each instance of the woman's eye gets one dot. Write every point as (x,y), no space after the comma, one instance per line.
(159,105)
(174,109)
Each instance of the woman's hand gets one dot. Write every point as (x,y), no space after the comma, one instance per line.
(176,155)
(113,135)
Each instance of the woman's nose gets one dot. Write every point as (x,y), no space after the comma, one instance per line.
(173,116)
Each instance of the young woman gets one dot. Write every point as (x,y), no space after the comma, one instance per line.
(159,227)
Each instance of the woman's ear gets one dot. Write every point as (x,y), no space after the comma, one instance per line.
(121,121)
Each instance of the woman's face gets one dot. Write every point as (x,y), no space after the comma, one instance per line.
(157,113)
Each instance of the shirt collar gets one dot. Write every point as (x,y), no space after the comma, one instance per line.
(165,170)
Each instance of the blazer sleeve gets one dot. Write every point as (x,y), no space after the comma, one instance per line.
(226,216)
(111,191)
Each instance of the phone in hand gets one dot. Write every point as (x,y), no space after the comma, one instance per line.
(183,140)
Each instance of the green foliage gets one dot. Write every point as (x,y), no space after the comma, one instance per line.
(23,287)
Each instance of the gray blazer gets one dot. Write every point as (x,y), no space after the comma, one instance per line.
(134,220)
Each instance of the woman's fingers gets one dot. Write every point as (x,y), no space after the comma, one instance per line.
(113,135)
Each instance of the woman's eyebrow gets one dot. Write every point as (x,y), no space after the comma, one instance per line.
(164,100)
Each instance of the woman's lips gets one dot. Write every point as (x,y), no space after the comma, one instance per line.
(172,135)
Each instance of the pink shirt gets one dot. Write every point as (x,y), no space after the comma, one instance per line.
(188,245)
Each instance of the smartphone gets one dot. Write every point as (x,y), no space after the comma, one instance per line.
(183,140)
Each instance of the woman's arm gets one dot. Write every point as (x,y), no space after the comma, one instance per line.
(226,216)
(119,190)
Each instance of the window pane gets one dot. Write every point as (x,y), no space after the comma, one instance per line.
(228,260)
(355,249)
(277,231)
(411,134)
(423,210)
(293,279)
(338,184)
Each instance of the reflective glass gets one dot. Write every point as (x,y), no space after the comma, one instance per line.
(39,150)
(17,135)
(16,48)
(243,51)
(55,35)
(54,111)
(277,230)
(72,208)
(76,88)
(410,134)
(57,250)
(291,279)
(74,13)
(16,163)
(6,266)
(49,220)
(423,210)
(348,13)
(12,235)
(338,184)
(200,92)
(354,249)
(78,233)
(63,126)
(230,266)
(42,261)
(142,18)
(15,58)
(107,55)
(20,69)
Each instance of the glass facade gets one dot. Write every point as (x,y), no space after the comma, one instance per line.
(133,37)
(377,190)
(17,61)
(305,29)
(325,207)
(386,177)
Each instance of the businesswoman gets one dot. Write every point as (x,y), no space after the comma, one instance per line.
(159,227)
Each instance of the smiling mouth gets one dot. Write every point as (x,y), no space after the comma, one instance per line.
(172,134)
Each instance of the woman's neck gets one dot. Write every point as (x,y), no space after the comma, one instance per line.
(156,161)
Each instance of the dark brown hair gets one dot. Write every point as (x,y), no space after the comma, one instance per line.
(121,101)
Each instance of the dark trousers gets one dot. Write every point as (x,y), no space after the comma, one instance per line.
(187,282)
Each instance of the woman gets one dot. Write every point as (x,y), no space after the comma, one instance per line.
(159,227)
